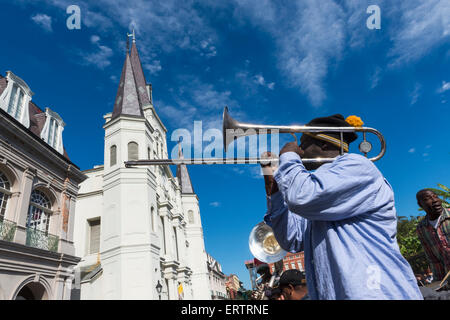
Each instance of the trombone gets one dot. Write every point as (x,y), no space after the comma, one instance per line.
(233,129)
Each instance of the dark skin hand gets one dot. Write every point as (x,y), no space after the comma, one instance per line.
(270,183)
(309,148)
(431,203)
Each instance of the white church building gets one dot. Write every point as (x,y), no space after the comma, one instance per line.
(138,230)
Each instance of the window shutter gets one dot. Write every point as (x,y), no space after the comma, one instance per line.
(133,153)
(94,240)
(113,156)
(191,216)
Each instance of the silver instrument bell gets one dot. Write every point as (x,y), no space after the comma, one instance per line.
(263,245)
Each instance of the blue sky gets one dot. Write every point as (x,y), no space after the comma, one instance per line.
(271,62)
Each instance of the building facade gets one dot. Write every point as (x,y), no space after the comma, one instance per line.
(217,279)
(139,229)
(233,285)
(290,261)
(38,191)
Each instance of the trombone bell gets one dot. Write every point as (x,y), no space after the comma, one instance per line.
(263,245)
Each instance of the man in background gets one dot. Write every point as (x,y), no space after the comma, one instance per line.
(434,233)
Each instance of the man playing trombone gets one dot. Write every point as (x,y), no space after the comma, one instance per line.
(341,215)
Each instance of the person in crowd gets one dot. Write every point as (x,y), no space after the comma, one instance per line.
(292,285)
(434,233)
(263,282)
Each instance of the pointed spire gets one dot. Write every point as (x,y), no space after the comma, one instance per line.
(127,99)
(183,174)
(132,93)
(139,74)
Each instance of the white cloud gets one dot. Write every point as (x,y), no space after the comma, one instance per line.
(251,83)
(311,35)
(445,87)
(412,150)
(375,78)
(95,39)
(215,204)
(423,25)
(196,100)
(154,67)
(259,79)
(415,94)
(44,21)
(100,57)
(208,49)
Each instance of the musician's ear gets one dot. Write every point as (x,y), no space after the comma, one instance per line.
(292,289)
(324,146)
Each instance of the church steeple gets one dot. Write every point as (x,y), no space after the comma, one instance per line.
(183,175)
(131,95)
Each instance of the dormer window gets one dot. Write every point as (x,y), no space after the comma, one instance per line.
(52,130)
(15,98)
(15,105)
(53,133)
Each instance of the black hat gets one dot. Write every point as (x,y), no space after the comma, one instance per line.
(336,120)
(262,268)
(293,277)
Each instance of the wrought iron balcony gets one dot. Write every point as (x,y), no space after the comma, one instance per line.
(7,230)
(41,240)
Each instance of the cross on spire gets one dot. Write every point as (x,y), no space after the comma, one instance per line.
(133,35)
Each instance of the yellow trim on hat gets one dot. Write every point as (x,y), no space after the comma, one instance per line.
(327,138)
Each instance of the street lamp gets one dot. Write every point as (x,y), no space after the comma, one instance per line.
(158,289)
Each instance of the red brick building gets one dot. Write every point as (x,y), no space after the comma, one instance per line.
(233,284)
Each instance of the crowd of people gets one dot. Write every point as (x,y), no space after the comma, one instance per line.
(342,215)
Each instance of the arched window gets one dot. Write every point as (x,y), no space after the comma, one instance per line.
(39,212)
(133,151)
(4,194)
(191,216)
(113,156)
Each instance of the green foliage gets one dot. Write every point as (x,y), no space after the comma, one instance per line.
(410,245)
(407,238)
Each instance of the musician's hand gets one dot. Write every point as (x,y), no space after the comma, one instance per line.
(292,147)
(268,166)
(268,170)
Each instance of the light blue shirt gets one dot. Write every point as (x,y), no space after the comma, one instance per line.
(343,217)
